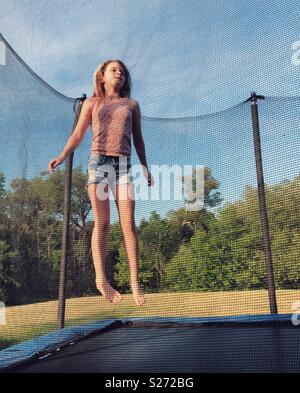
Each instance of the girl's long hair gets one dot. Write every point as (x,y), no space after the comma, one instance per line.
(99,90)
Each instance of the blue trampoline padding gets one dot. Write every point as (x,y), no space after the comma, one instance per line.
(20,353)
(244,319)
(17,354)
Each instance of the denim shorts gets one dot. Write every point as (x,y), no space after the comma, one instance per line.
(110,170)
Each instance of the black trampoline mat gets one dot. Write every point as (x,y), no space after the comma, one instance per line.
(178,350)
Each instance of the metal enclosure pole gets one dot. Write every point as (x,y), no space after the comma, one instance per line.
(65,252)
(262,203)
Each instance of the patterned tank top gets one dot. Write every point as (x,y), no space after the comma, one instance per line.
(113,119)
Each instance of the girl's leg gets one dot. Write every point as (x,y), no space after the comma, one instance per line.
(99,240)
(124,198)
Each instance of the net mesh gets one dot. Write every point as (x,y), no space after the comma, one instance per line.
(203,262)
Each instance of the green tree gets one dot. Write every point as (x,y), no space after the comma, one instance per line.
(10,275)
(158,242)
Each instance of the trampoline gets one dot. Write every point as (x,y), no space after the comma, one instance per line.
(243,344)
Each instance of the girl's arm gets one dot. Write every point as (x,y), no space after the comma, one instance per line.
(137,135)
(139,142)
(80,129)
(77,135)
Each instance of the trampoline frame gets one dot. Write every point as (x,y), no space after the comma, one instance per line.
(14,357)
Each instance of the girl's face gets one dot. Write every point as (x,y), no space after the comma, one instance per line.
(114,75)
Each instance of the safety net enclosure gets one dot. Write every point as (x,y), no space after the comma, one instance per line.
(219,262)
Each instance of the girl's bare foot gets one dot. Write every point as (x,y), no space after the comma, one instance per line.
(108,292)
(139,298)
(138,295)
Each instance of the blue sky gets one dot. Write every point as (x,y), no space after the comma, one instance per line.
(187,58)
(217,51)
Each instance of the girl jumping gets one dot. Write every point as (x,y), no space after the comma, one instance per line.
(114,117)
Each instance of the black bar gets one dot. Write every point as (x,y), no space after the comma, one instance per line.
(262,203)
(65,252)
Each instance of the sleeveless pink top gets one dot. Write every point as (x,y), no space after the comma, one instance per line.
(112,122)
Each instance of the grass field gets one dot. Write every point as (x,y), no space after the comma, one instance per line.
(29,321)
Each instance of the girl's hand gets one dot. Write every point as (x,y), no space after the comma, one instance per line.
(148,177)
(55,162)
